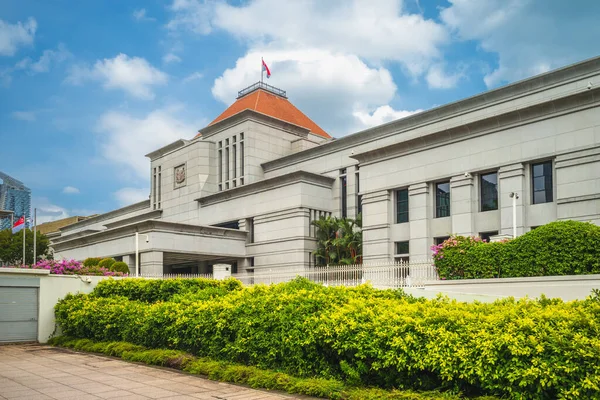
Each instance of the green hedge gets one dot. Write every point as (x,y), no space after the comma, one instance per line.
(106,263)
(558,248)
(242,374)
(517,349)
(91,261)
(120,266)
(153,290)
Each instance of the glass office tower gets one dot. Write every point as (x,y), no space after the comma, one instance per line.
(15,197)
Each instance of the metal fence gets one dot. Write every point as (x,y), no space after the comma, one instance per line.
(383,275)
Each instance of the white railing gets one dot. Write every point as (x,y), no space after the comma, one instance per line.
(383,275)
(380,275)
(175,276)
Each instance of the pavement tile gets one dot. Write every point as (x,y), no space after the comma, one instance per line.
(154,392)
(114,394)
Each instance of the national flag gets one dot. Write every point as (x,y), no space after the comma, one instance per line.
(265,68)
(20,224)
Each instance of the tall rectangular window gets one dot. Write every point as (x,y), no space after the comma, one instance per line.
(220,171)
(541,176)
(159,186)
(358,195)
(401,206)
(442,199)
(242,157)
(154,188)
(234,155)
(344,195)
(488,188)
(226,166)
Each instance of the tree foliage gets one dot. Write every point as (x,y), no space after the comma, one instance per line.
(11,247)
(339,240)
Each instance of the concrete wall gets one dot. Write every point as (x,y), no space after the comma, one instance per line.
(570,287)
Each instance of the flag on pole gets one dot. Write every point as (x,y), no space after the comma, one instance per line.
(20,224)
(266,69)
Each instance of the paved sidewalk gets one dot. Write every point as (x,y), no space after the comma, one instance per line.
(32,372)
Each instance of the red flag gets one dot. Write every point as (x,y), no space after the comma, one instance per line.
(265,68)
(20,224)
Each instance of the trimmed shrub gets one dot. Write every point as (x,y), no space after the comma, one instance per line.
(106,262)
(120,266)
(91,261)
(242,374)
(522,349)
(558,248)
(153,290)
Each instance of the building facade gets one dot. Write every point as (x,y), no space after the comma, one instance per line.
(15,197)
(246,189)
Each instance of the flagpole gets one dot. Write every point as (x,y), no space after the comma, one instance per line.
(262,70)
(24,229)
(34,233)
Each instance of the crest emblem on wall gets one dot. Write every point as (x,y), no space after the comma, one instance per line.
(180,175)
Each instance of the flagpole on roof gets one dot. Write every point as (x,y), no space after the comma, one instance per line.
(262,70)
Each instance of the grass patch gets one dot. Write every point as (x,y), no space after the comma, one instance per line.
(246,375)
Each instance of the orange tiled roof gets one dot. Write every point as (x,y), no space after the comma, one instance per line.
(274,106)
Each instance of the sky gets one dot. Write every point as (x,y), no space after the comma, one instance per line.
(87,88)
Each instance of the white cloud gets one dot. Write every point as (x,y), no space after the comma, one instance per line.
(134,75)
(171,58)
(191,15)
(528,36)
(324,85)
(381,115)
(438,78)
(193,76)
(129,195)
(70,190)
(46,211)
(24,115)
(126,139)
(13,36)
(47,58)
(375,32)
(140,15)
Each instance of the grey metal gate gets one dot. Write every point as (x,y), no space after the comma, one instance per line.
(18,314)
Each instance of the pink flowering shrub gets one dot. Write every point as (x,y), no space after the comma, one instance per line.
(70,267)
(557,248)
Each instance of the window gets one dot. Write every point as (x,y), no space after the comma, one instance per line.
(234,160)
(442,199)
(487,235)
(344,193)
(358,195)
(220,164)
(401,251)
(159,186)
(227,165)
(154,191)
(401,206)
(241,158)
(541,175)
(488,189)
(440,240)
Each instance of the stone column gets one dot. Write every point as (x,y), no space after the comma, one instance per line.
(221,271)
(511,179)
(151,263)
(462,205)
(376,227)
(419,213)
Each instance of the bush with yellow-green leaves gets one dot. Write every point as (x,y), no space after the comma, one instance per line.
(526,349)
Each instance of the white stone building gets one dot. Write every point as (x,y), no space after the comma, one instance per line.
(245,189)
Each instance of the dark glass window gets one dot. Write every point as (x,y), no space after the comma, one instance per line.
(489,191)
(541,175)
(358,196)
(487,235)
(402,247)
(442,199)
(401,206)
(440,240)
(344,195)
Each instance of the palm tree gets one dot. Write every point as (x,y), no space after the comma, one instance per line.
(339,240)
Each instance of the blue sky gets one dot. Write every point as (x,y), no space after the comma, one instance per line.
(87,88)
